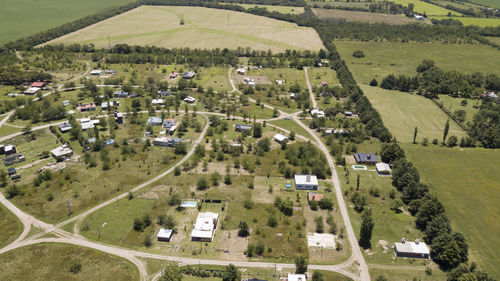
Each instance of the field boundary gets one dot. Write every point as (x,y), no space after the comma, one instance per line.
(440,105)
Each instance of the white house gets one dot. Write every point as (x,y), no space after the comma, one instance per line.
(61,151)
(205,226)
(419,17)
(96,72)
(157,101)
(280,138)
(296,277)
(411,249)
(164,235)
(32,90)
(383,168)
(306,182)
(319,113)
(241,71)
(189,99)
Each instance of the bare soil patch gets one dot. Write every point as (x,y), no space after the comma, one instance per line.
(233,247)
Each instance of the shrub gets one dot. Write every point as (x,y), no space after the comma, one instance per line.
(358,54)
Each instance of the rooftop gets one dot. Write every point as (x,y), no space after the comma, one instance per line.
(416,247)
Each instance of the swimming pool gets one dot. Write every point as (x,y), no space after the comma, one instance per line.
(188,204)
(359,167)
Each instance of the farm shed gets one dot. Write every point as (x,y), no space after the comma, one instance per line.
(164,234)
(383,168)
(409,249)
(242,127)
(306,182)
(155,121)
(189,99)
(280,138)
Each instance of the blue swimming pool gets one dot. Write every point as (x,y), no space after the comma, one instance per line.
(188,204)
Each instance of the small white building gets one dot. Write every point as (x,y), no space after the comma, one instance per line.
(383,168)
(419,17)
(296,277)
(319,113)
(96,72)
(306,182)
(409,249)
(189,99)
(205,226)
(61,151)
(157,101)
(164,235)
(241,71)
(87,123)
(280,138)
(32,90)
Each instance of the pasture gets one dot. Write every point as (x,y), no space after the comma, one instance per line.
(382,59)
(54,261)
(466,182)
(279,9)
(402,112)
(453,104)
(9,225)
(427,8)
(195,27)
(491,3)
(481,22)
(362,16)
(24,18)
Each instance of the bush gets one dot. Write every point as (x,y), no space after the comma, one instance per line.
(202,183)
(358,54)
(76,267)
(243,230)
(177,171)
(374,83)
(147,241)
(326,204)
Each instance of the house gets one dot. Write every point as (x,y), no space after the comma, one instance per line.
(251,84)
(383,168)
(295,277)
(87,107)
(335,132)
(205,226)
(96,72)
(120,94)
(172,129)
(164,235)
(157,101)
(416,249)
(419,17)
(38,84)
(11,171)
(87,123)
(154,121)
(241,71)
(189,99)
(173,75)
(167,142)
(32,91)
(13,159)
(119,117)
(242,127)
(280,138)
(314,196)
(109,71)
(173,141)
(169,123)
(319,113)
(9,149)
(306,182)
(104,105)
(64,127)
(366,158)
(61,151)
(164,93)
(348,114)
(292,95)
(189,75)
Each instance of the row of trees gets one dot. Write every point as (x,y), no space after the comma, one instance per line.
(14,75)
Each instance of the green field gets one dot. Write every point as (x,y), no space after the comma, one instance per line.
(481,22)
(491,3)
(495,40)
(23,18)
(453,104)
(196,27)
(279,9)
(466,182)
(402,112)
(382,59)
(429,9)
(50,261)
(362,16)
(9,225)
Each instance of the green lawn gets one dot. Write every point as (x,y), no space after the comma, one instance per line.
(491,3)
(27,17)
(407,275)
(466,182)
(453,104)
(427,8)
(382,59)
(292,126)
(50,261)
(402,112)
(10,226)
(215,77)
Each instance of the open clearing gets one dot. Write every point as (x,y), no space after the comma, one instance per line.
(362,16)
(481,22)
(203,28)
(54,261)
(279,9)
(402,112)
(23,18)
(382,59)
(491,3)
(466,182)
(9,225)
(427,8)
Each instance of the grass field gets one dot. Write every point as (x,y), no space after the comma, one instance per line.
(10,227)
(466,182)
(203,28)
(279,9)
(427,8)
(382,59)
(406,275)
(453,104)
(402,112)
(23,18)
(362,16)
(495,40)
(491,3)
(481,22)
(53,262)
(292,126)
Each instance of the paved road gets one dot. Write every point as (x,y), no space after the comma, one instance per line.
(311,94)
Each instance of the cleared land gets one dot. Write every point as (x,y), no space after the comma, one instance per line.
(55,261)
(202,28)
(466,182)
(402,112)
(362,16)
(279,9)
(23,18)
(481,22)
(382,59)
(427,8)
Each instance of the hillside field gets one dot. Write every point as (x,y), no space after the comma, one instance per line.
(10,226)
(427,8)
(402,112)
(382,59)
(279,9)
(470,201)
(362,16)
(491,3)
(195,27)
(481,22)
(19,19)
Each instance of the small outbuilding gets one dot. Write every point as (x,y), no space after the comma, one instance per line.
(383,168)
(120,94)
(318,112)
(87,107)
(280,138)
(96,72)
(64,127)
(366,158)
(242,127)
(189,75)
(164,234)
(189,99)
(38,84)
(409,249)
(306,182)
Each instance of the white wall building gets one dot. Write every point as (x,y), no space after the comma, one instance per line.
(204,228)
(306,182)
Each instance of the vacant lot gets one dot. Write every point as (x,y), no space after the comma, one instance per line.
(481,22)
(196,27)
(466,182)
(402,112)
(23,18)
(362,16)
(54,261)
(382,59)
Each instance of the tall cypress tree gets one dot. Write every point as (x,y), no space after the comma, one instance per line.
(365,233)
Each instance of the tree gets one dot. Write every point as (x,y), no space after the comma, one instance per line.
(300,265)
(171,272)
(257,130)
(358,54)
(215,178)
(243,230)
(449,250)
(452,141)
(429,208)
(446,129)
(319,224)
(374,82)
(365,234)
(415,132)
(357,182)
(318,276)
(231,273)
(202,183)
(391,152)
(3,177)
(440,224)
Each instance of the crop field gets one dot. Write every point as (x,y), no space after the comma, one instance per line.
(382,59)
(53,262)
(471,201)
(279,9)
(427,8)
(362,16)
(195,27)
(23,18)
(481,22)
(402,112)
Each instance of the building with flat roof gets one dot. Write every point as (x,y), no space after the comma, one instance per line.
(306,182)
(96,72)
(155,121)
(295,277)
(189,99)
(169,123)
(157,101)
(164,234)
(87,107)
(120,94)
(318,112)
(205,226)
(366,158)
(280,138)
(410,249)
(383,168)
(61,151)
(242,127)
(32,90)
(64,127)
